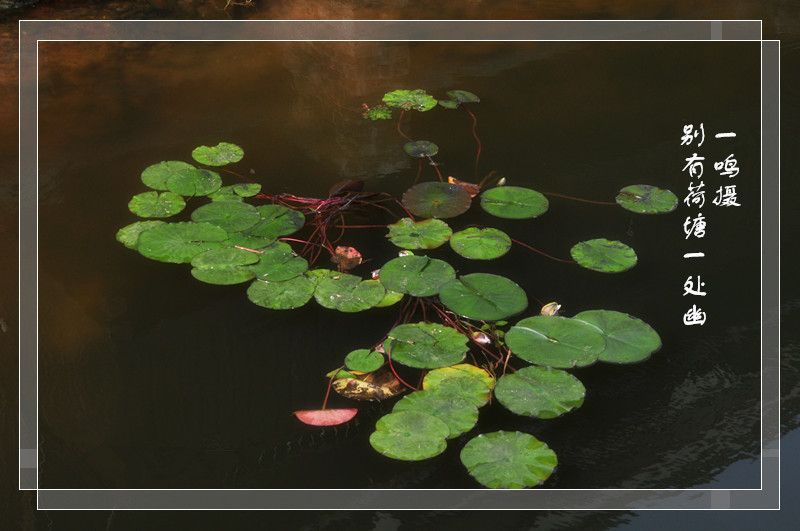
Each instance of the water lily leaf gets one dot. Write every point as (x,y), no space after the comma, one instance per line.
(194,182)
(277,265)
(462,96)
(348,293)
(508,460)
(180,242)
(555,341)
(364,360)
(246,189)
(480,244)
(253,242)
(410,99)
(391,298)
(229,215)
(235,192)
(646,199)
(276,221)
(129,235)
(409,436)
(628,339)
(426,234)
(223,266)
(484,297)
(603,255)
(156,176)
(156,205)
(542,392)
(339,374)
(421,148)
(460,415)
(437,200)
(467,381)
(449,104)
(325,417)
(418,276)
(219,155)
(426,345)
(283,295)
(513,202)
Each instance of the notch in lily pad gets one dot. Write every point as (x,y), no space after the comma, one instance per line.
(421,148)
(220,155)
(646,199)
(605,256)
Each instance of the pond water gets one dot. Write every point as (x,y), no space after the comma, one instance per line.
(151,379)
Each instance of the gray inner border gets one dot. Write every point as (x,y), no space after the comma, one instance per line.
(31,32)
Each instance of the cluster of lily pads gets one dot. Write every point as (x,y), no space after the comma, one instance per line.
(228,240)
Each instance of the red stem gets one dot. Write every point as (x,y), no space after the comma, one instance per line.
(541,252)
(478,140)
(579,199)
(389,356)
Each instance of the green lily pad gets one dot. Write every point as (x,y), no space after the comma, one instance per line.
(628,339)
(466,381)
(251,242)
(156,176)
(219,155)
(276,265)
(223,266)
(276,221)
(284,295)
(364,360)
(418,276)
(426,345)
(229,215)
(391,298)
(426,234)
(449,104)
(604,255)
(410,99)
(513,460)
(348,293)
(246,189)
(156,205)
(194,182)
(235,192)
(460,415)
(409,436)
(437,200)
(555,341)
(180,242)
(541,392)
(129,235)
(513,202)
(462,96)
(484,297)
(480,244)
(421,148)
(646,199)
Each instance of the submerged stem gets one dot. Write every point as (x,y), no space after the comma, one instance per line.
(579,199)
(542,252)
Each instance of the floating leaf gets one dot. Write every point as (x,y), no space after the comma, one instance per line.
(513,202)
(421,148)
(409,435)
(276,265)
(253,242)
(180,242)
(363,360)
(462,96)
(437,200)
(379,112)
(646,199)
(426,345)
(156,205)
(514,460)
(325,417)
(219,155)
(276,221)
(427,234)
(391,297)
(449,104)
(194,182)
(235,192)
(628,339)
(542,392)
(246,189)
(459,414)
(284,295)
(223,266)
(348,293)
(555,341)
(156,176)
(480,244)
(467,381)
(229,215)
(129,235)
(484,297)
(418,276)
(604,255)
(410,99)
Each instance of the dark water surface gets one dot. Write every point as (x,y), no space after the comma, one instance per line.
(151,379)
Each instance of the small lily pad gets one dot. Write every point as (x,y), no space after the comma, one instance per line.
(541,392)
(426,234)
(156,176)
(410,99)
(459,414)
(462,96)
(277,265)
(513,202)
(325,417)
(194,182)
(508,460)
(364,360)
(156,205)
(219,155)
(418,276)
(484,297)
(628,339)
(284,295)
(646,199)
(229,215)
(426,345)
(421,148)
(223,266)
(603,255)
(129,235)
(555,341)
(437,200)
(180,242)
(276,221)
(246,189)
(480,244)
(409,436)
(348,293)
(449,104)
(467,381)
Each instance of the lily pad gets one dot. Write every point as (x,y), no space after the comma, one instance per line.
(462,96)
(223,266)
(514,202)
(364,360)
(252,242)
(194,182)
(555,341)
(156,176)
(284,295)
(628,339)
(229,215)
(219,155)
(235,192)
(426,345)
(409,436)
(508,460)
(480,244)
(459,414)
(348,293)
(449,104)
(464,380)
(418,276)
(180,242)
(410,99)
(603,255)
(541,392)
(156,205)
(129,235)
(246,189)
(646,199)
(483,296)
(276,221)
(277,265)
(437,200)
(421,148)
(426,234)
(325,417)
(391,298)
